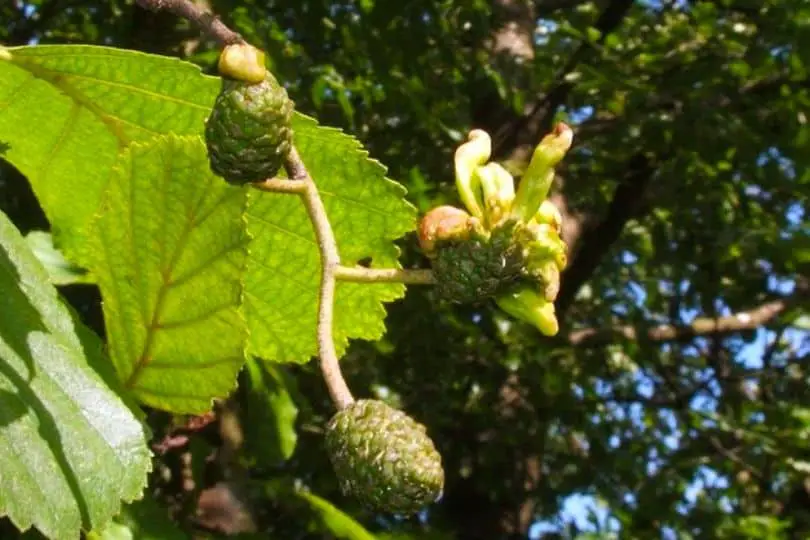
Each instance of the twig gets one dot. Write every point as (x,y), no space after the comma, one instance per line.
(330,261)
(745,320)
(300,183)
(358,274)
(207,22)
(731,455)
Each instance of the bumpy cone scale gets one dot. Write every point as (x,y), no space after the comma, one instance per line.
(248,132)
(478,268)
(384,458)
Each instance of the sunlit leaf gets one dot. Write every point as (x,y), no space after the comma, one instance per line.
(72,450)
(169,252)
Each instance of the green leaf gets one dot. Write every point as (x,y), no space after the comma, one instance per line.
(367,212)
(60,270)
(764,527)
(72,450)
(271,413)
(341,525)
(88,104)
(142,520)
(117,92)
(168,253)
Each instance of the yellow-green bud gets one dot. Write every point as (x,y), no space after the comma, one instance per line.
(470,155)
(528,305)
(444,223)
(498,188)
(542,242)
(548,274)
(548,214)
(243,62)
(539,175)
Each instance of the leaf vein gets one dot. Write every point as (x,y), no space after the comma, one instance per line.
(60,82)
(166,277)
(302,285)
(282,229)
(203,217)
(173,325)
(16,91)
(195,365)
(136,90)
(67,127)
(191,274)
(354,202)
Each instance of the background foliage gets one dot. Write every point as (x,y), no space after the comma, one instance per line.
(673,402)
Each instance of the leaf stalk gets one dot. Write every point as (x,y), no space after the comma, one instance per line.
(359,274)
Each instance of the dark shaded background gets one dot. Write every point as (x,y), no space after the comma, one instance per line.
(685,202)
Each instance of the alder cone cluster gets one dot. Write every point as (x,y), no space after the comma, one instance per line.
(384,458)
(249,133)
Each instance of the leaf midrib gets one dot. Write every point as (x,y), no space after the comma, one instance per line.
(61,81)
(193,220)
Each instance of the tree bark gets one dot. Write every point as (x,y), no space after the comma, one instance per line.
(472,510)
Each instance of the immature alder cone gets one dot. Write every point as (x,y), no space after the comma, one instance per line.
(384,458)
(248,133)
(478,268)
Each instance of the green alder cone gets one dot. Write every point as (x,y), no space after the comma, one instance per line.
(248,132)
(384,458)
(479,268)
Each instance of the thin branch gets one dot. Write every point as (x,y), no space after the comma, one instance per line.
(598,235)
(524,132)
(359,274)
(330,260)
(701,326)
(206,21)
(300,183)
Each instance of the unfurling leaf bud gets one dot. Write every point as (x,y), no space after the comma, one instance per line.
(528,305)
(384,458)
(242,62)
(539,175)
(548,214)
(541,243)
(470,155)
(498,188)
(442,224)
(548,274)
